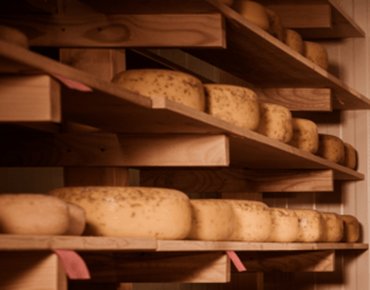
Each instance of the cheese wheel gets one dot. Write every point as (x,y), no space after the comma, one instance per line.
(311,225)
(212,220)
(316,53)
(333,227)
(294,40)
(13,35)
(276,29)
(135,212)
(174,85)
(252,11)
(351,229)
(252,220)
(350,156)
(33,214)
(77,220)
(275,122)
(305,135)
(331,148)
(285,226)
(234,104)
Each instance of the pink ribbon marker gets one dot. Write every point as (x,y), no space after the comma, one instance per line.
(74,265)
(236,261)
(72,84)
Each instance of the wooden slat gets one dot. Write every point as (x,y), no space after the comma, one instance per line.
(239,281)
(49,6)
(29,99)
(234,180)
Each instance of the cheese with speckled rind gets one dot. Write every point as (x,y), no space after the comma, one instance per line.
(33,214)
(333,227)
(212,220)
(276,28)
(233,104)
(77,220)
(311,225)
(331,148)
(275,122)
(351,229)
(136,212)
(305,135)
(294,40)
(350,156)
(174,85)
(316,53)
(252,221)
(285,226)
(252,11)
(13,35)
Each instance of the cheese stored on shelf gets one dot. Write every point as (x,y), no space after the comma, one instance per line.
(33,214)
(275,122)
(316,53)
(350,156)
(212,220)
(276,28)
(77,220)
(285,226)
(294,40)
(351,229)
(252,220)
(173,85)
(331,148)
(234,104)
(311,225)
(13,35)
(136,212)
(305,135)
(333,227)
(252,11)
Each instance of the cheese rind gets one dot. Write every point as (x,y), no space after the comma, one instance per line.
(77,220)
(212,220)
(331,148)
(252,11)
(174,85)
(305,135)
(350,156)
(234,104)
(136,212)
(285,226)
(316,53)
(351,229)
(276,28)
(311,225)
(333,227)
(294,40)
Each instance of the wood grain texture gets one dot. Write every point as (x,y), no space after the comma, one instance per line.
(239,281)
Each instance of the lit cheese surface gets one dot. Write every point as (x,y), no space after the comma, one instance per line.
(77,220)
(351,229)
(311,225)
(350,156)
(333,229)
(331,148)
(252,11)
(285,226)
(294,40)
(305,135)
(316,53)
(276,28)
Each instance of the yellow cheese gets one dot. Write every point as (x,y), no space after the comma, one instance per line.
(350,156)
(212,220)
(33,214)
(77,220)
(13,35)
(285,226)
(333,227)
(136,212)
(252,221)
(276,28)
(275,122)
(252,11)
(311,225)
(331,148)
(305,135)
(174,85)
(294,40)
(316,53)
(234,104)
(351,232)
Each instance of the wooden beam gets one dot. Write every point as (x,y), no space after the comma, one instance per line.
(114,150)
(34,98)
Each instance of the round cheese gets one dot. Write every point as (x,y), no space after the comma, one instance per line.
(135,212)
(174,85)
(350,156)
(333,227)
(316,53)
(13,35)
(331,148)
(276,28)
(275,122)
(351,229)
(252,220)
(294,40)
(212,220)
(311,225)
(305,135)
(252,11)
(285,226)
(33,214)
(77,220)
(234,104)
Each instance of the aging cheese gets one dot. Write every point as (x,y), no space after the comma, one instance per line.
(285,226)
(305,135)
(294,40)
(333,227)
(33,214)
(252,221)
(351,226)
(350,156)
(331,148)
(316,53)
(311,225)
(77,220)
(252,11)
(275,122)
(13,35)
(136,212)
(234,104)
(276,28)
(212,220)
(174,85)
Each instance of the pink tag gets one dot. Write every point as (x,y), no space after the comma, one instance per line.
(74,265)
(236,261)
(72,84)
